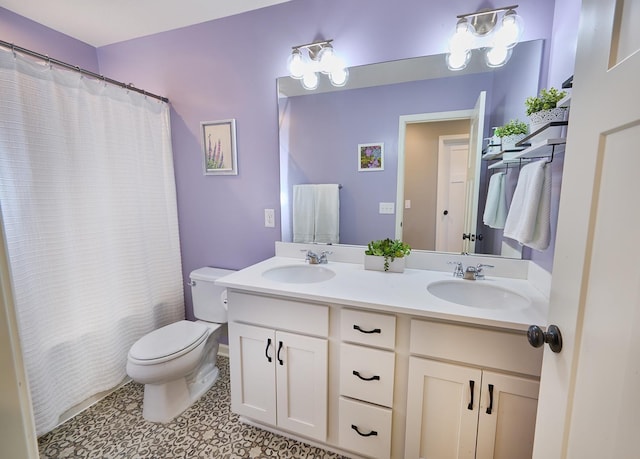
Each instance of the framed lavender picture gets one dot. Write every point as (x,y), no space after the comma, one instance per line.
(371,156)
(219,142)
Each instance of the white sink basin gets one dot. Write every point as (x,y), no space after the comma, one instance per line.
(299,274)
(478,294)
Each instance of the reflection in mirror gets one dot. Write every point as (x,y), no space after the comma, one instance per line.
(320,132)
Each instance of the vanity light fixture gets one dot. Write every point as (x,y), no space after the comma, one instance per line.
(482,30)
(307,61)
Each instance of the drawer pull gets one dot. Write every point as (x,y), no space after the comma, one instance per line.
(280,361)
(471,384)
(266,350)
(375,330)
(373,378)
(490,408)
(373,433)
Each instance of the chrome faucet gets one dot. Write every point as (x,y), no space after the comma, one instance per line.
(471,272)
(314,259)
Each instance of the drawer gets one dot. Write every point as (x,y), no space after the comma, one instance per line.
(370,328)
(367,374)
(500,349)
(279,313)
(365,428)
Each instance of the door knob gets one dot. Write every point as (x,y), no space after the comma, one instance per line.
(446,212)
(537,337)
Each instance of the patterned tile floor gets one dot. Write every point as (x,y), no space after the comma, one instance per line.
(114,428)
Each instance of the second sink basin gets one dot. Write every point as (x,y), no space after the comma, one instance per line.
(478,294)
(299,274)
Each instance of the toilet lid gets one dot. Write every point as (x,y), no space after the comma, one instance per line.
(170,341)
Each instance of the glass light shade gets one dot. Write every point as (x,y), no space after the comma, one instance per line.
(296,64)
(310,80)
(326,59)
(508,35)
(458,61)
(463,38)
(497,56)
(339,77)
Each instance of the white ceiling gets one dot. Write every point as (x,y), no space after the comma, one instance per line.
(102,22)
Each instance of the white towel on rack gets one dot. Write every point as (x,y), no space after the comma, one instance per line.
(529,218)
(303,213)
(327,213)
(495,211)
(316,213)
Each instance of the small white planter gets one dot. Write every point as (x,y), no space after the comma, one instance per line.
(376,263)
(543,117)
(509,141)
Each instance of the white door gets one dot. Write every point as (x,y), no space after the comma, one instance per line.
(442,404)
(301,369)
(589,405)
(507,416)
(476,131)
(252,354)
(453,153)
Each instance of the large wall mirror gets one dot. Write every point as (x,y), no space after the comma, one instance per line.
(321,130)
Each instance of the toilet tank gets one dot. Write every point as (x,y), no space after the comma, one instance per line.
(209,300)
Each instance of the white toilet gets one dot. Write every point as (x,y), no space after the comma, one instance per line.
(177,363)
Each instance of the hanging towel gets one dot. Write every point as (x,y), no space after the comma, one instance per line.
(495,211)
(529,218)
(303,213)
(327,213)
(316,213)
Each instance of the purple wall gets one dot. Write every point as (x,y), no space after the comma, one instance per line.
(227,69)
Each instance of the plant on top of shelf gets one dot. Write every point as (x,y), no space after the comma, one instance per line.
(513,127)
(544,109)
(547,99)
(389,249)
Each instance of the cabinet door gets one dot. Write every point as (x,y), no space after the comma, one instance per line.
(253,379)
(301,368)
(506,430)
(442,410)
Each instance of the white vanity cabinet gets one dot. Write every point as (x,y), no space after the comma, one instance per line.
(367,375)
(470,410)
(278,353)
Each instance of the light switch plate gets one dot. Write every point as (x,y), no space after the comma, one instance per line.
(387,208)
(269,218)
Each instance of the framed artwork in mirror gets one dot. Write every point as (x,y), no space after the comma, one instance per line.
(219,144)
(371,156)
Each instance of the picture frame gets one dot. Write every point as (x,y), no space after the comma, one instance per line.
(220,155)
(371,157)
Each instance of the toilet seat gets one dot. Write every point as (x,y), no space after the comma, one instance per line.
(168,342)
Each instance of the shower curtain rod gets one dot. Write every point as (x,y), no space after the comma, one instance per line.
(59,63)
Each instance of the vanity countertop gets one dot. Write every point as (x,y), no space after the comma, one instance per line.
(401,293)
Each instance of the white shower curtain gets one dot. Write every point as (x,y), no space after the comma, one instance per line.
(88,202)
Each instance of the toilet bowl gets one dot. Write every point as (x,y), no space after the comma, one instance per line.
(177,362)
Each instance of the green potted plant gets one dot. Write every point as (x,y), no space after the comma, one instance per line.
(386,255)
(543,109)
(511,133)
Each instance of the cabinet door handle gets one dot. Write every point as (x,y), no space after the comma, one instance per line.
(280,361)
(471,384)
(375,330)
(373,378)
(266,350)
(490,408)
(373,433)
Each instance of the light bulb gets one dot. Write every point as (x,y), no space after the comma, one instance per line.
(458,61)
(296,64)
(497,56)
(462,39)
(310,80)
(326,59)
(511,31)
(339,77)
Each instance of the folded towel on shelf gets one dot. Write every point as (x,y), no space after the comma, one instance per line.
(495,211)
(529,217)
(316,213)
